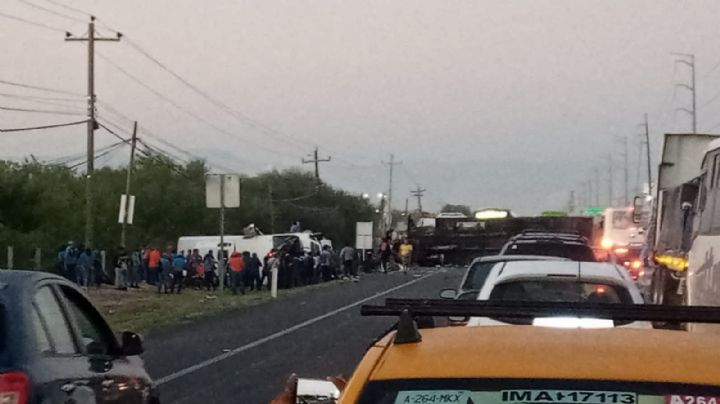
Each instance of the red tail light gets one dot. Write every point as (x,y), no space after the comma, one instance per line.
(636,264)
(14,388)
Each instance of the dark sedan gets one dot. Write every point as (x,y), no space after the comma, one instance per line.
(55,347)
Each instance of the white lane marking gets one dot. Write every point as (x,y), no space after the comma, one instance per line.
(233,352)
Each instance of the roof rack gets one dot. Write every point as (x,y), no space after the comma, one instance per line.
(519,309)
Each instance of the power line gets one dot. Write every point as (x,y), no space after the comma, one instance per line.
(40,101)
(69,8)
(39,88)
(33,23)
(237,114)
(187,111)
(111,149)
(60,125)
(40,111)
(38,97)
(53,12)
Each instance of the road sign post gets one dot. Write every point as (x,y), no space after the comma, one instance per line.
(222,191)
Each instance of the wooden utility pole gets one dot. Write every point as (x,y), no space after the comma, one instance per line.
(418,193)
(133,143)
(272,208)
(647,149)
(316,160)
(91,124)
(392,163)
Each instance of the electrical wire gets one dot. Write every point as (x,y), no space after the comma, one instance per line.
(39,97)
(189,112)
(53,12)
(36,24)
(69,8)
(39,88)
(110,149)
(60,125)
(40,111)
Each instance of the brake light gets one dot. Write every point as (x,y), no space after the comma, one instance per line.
(636,264)
(606,243)
(14,388)
(621,251)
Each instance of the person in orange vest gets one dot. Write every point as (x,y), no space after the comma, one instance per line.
(237,265)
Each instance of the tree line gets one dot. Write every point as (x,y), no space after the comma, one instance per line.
(43,206)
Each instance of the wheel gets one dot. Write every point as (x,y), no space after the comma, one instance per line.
(658,285)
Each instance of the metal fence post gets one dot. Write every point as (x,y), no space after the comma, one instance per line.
(10,257)
(38,258)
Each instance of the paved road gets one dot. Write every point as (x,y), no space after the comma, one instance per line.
(245,356)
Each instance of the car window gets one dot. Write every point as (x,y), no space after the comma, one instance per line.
(559,290)
(494,391)
(575,252)
(94,331)
(55,321)
(41,337)
(477,274)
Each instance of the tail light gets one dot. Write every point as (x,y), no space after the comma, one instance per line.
(637,264)
(14,388)
(621,251)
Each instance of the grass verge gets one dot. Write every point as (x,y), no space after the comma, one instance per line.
(142,310)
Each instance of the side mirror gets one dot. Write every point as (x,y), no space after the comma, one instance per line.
(132,343)
(316,391)
(467,295)
(448,294)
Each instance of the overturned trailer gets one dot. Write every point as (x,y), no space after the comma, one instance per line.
(459,240)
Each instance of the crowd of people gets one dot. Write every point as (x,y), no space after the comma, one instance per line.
(170,271)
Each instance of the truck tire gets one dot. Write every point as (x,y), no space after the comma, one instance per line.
(658,285)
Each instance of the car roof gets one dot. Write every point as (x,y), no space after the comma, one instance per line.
(505,258)
(528,352)
(18,279)
(542,269)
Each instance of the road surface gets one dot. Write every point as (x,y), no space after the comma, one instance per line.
(245,356)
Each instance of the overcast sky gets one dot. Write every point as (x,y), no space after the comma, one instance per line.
(487,103)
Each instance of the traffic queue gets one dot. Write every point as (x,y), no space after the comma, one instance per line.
(549,319)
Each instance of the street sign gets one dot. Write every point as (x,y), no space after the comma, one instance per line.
(593,211)
(364,235)
(130,209)
(227,185)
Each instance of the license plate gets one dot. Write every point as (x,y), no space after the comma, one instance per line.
(571,397)
(676,399)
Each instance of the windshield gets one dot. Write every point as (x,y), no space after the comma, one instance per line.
(477,274)
(528,391)
(559,290)
(575,252)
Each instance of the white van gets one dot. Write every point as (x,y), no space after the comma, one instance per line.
(259,245)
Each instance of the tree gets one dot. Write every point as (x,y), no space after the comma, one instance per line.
(464,209)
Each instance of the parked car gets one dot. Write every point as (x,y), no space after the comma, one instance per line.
(55,347)
(559,281)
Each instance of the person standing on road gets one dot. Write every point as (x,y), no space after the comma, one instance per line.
(153,266)
(165,273)
(178,266)
(325,264)
(295,227)
(254,270)
(384,250)
(237,265)
(308,266)
(84,268)
(135,268)
(347,258)
(70,258)
(121,269)
(271,261)
(406,250)
(209,266)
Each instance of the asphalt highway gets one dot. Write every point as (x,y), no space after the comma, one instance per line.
(245,356)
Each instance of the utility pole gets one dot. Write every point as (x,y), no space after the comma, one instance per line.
(133,142)
(571,203)
(597,187)
(647,151)
(407,200)
(316,160)
(91,124)
(392,163)
(626,200)
(418,193)
(610,181)
(688,59)
(272,208)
